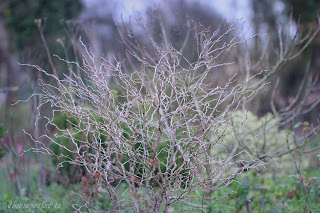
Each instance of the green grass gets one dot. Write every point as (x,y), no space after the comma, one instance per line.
(266,195)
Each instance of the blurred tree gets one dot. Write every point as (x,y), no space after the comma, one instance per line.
(172,16)
(264,13)
(307,9)
(21,41)
(267,15)
(19,18)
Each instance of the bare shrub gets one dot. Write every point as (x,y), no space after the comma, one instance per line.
(149,124)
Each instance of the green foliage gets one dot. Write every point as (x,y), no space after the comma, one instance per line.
(19,18)
(25,39)
(258,136)
(59,201)
(307,9)
(3,132)
(265,195)
(68,173)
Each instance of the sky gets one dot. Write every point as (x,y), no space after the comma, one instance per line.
(231,10)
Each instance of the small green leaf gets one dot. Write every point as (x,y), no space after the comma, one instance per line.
(1,153)
(3,131)
(289,132)
(297,125)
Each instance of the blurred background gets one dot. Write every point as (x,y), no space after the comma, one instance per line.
(97,22)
